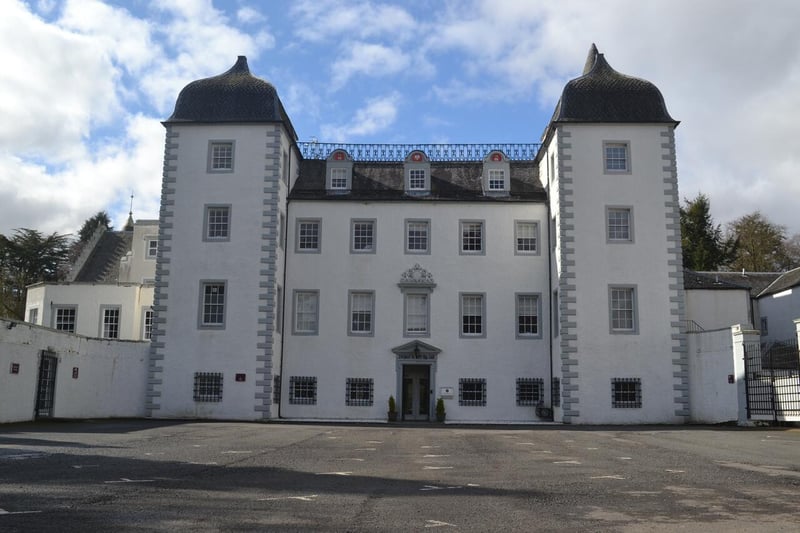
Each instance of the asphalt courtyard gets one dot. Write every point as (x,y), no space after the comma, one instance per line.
(216,476)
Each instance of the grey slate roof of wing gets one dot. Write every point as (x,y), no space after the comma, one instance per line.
(103,264)
(234,96)
(386,181)
(602,94)
(710,281)
(755,281)
(787,280)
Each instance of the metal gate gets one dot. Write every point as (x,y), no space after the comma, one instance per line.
(772,377)
(45,392)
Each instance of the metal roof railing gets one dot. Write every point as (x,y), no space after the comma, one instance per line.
(435,152)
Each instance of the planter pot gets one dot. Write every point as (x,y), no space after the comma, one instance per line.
(392,416)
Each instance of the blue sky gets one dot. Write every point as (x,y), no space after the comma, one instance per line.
(87,82)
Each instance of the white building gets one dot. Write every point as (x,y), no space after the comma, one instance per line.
(313,281)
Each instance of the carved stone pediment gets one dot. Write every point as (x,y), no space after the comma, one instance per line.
(417,276)
(416,351)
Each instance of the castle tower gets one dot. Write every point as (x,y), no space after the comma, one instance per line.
(228,163)
(608,162)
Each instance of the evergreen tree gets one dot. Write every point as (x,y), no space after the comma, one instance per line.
(91,225)
(25,258)
(704,247)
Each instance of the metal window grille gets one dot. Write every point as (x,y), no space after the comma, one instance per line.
(359,392)
(527,314)
(276,388)
(363,233)
(208,386)
(147,334)
(416,313)
(306,312)
(472,314)
(218,222)
(472,236)
(622,309)
(361,312)
(417,236)
(472,392)
(526,236)
(626,392)
(556,392)
(530,391)
(308,236)
(65,319)
(338,178)
(619,224)
(303,390)
(222,156)
(497,180)
(416,179)
(616,157)
(213,304)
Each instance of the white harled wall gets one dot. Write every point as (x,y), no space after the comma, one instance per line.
(333,356)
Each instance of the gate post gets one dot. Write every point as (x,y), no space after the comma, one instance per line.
(741,337)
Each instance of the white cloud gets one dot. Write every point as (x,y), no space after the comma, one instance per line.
(370,60)
(324,20)
(249,15)
(377,115)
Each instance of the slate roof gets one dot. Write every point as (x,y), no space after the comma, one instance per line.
(787,280)
(755,281)
(378,181)
(602,94)
(710,281)
(234,96)
(103,263)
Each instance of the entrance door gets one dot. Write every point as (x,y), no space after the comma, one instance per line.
(45,392)
(416,392)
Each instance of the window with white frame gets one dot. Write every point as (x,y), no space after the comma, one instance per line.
(217,223)
(362,236)
(472,237)
(109,328)
(497,180)
(362,310)
(472,392)
(528,315)
(339,178)
(306,312)
(418,236)
(303,390)
(530,391)
(308,235)
(616,157)
(417,179)
(359,392)
(619,224)
(626,392)
(526,237)
(147,324)
(220,156)
(33,315)
(417,309)
(207,387)
(622,301)
(212,304)
(473,311)
(65,319)
(152,248)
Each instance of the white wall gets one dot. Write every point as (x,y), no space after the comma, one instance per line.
(333,356)
(141,267)
(715,309)
(111,382)
(780,309)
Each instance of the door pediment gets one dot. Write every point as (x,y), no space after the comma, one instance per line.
(416,351)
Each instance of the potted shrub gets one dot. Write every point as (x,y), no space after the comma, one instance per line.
(440,413)
(392,414)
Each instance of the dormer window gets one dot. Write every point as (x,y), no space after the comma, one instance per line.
(339,172)
(417,173)
(496,173)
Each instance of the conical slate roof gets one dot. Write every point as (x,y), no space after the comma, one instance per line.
(602,94)
(235,96)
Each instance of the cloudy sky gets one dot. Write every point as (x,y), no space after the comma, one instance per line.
(85,83)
